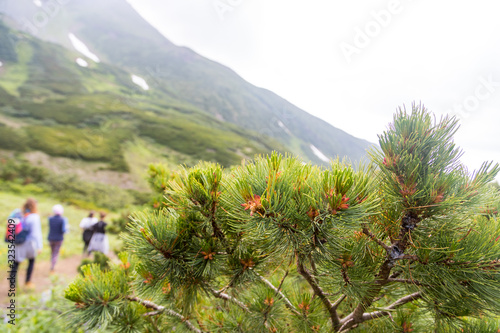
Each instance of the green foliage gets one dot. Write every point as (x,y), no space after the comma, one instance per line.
(119,224)
(493,209)
(276,245)
(6,101)
(434,197)
(11,139)
(159,179)
(20,176)
(78,143)
(41,313)
(91,285)
(72,189)
(481,325)
(53,71)
(20,170)
(60,111)
(90,110)
(100,260)
(199,141)
(141,198)
(7,51)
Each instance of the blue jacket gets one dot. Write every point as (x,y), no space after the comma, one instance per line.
(58,225)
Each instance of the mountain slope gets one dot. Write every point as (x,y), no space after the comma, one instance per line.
(50,103)
(117,34)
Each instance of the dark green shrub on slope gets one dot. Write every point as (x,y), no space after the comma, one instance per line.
(78,143)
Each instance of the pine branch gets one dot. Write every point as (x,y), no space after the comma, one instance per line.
(156,328)
(345,277)
(351,321)
(288,304)
(408,222)
(268,308)
(339,301)
(318,291)
(229,284)
(395,305)
(409,281)
(487,265)
(155,325)
(153,313)
(395,274)
(378,298)
(220,294)
(367,232)
(313,266)
(161,309)
(217,231)
(412,258)
(382,277)
(345,325)
(166,254)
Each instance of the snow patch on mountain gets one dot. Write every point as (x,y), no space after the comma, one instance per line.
(82,63)
(140,82)
(287,131)
(319,154)
(82,48)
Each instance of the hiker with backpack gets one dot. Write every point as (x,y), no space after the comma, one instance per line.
(99,241)
(58,226)
(29,245)
(86,224)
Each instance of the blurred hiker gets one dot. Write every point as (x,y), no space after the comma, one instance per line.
(32,246)
(99,241)
(58,226)
(86,224)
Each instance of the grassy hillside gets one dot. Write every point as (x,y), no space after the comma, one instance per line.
(118,35)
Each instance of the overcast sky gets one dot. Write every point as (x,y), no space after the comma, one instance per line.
(352,63)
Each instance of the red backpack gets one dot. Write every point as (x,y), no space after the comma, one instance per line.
(17,229)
